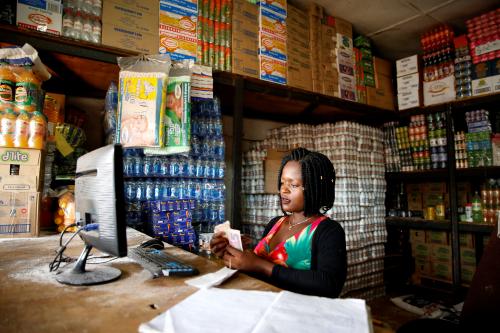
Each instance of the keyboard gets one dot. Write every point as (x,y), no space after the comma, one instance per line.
(159,263)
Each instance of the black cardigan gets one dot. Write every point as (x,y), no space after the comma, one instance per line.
(328,263)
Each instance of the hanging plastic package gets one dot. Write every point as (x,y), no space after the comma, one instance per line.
(142,100)
(177,111)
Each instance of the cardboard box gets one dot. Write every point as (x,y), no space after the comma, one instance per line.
(441,253)
(417,236)
(19,213)
(485,85)
(277,6)
(423,267)
(495,81)
(437,237)
(442,270)
(408,65)
(415,201)
(27,163)
(382,95)
(272,23)
(347,87)
(272,70)
(467,240)
(272,166)
(439,91)
(245,39)
(272,46)
(343,27)
(467,256)
(421,250)
(467,273)
(438,187)
(45,16)
(409,83)
(409,100)
(382,66)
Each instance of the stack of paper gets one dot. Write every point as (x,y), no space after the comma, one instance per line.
(229,310)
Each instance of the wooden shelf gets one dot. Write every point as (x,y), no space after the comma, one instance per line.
(479,172)
(457,105)
(418,223)
(266,100)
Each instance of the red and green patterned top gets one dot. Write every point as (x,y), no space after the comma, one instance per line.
(294,252)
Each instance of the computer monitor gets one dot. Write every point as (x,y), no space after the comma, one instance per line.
(99,208)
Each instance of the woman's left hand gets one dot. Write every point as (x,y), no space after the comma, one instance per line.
(246,261)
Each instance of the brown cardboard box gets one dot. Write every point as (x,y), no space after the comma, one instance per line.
(423,267)
(22,162)
(442,270)
(467,256)
(467,240)
(421,250)
(417,236)
(131,25)
(415,201)
(272,165)
(440,253)
(382,67)
(437,237)
(380,98)
(467,273)
(343,27)
(434,187)
(245,38)
(19,206)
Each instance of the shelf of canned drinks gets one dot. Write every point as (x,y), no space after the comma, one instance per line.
(365,268)
(365,254)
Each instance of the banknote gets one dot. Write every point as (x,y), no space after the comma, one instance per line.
(232,235)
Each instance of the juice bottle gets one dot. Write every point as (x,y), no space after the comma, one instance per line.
(7,85)
(38,130)
(8,124)
(21,132)
(27,90)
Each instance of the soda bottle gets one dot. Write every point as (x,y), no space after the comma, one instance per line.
(21,130)
(7,85)
(7,125)
(38,130)
(477,212)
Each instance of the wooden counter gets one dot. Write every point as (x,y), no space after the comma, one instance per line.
(31,300)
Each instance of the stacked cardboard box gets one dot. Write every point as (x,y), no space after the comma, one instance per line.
(45,16)
(178,23)
(298,49)
(131,25)
(409,91)
(382,95)
(245,38)
(345,60)
(20,185)
(315,14)
(272,41)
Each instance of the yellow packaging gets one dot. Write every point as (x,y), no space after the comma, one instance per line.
(178,19)
(272,70)
(180,46)
(140,107)
(272,23)
(272,46)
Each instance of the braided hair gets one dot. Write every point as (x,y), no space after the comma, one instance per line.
(318,177)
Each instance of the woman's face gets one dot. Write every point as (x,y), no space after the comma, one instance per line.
(292,188)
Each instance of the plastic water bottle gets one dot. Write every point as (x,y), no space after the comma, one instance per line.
(165,190)
(130,192)
(149,187)
(221,170)
(184,166)
(199,168)
(174,167)
(157,192)
(140,191)
(137,164)
(221,212)
(157,166)
(147,166)
(183,190)
(174,189)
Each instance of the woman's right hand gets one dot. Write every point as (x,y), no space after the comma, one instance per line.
(218,244)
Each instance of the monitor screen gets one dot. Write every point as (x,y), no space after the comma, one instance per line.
(99,210)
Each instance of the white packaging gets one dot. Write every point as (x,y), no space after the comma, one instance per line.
(439,91)
(45,16)
(408,100)
(408,65)
(408,83)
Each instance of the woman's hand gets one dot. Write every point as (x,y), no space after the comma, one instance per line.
(218,244)
(246,261)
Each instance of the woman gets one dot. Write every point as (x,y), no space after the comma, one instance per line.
(302,251)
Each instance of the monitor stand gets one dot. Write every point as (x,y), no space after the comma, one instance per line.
(78,276)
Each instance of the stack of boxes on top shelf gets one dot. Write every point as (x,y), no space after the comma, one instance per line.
(431,251)
(408,79)
(272,41)
(298,49)
(463,67)
(245,38)
(482,32)
(359,192)
(382,95)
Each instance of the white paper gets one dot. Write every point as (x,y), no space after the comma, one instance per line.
(291,312)
(211,279)
(230,310)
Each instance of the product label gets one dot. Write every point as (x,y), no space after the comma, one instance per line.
(6,88)
(178,112)
(25,93)
(8,126)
